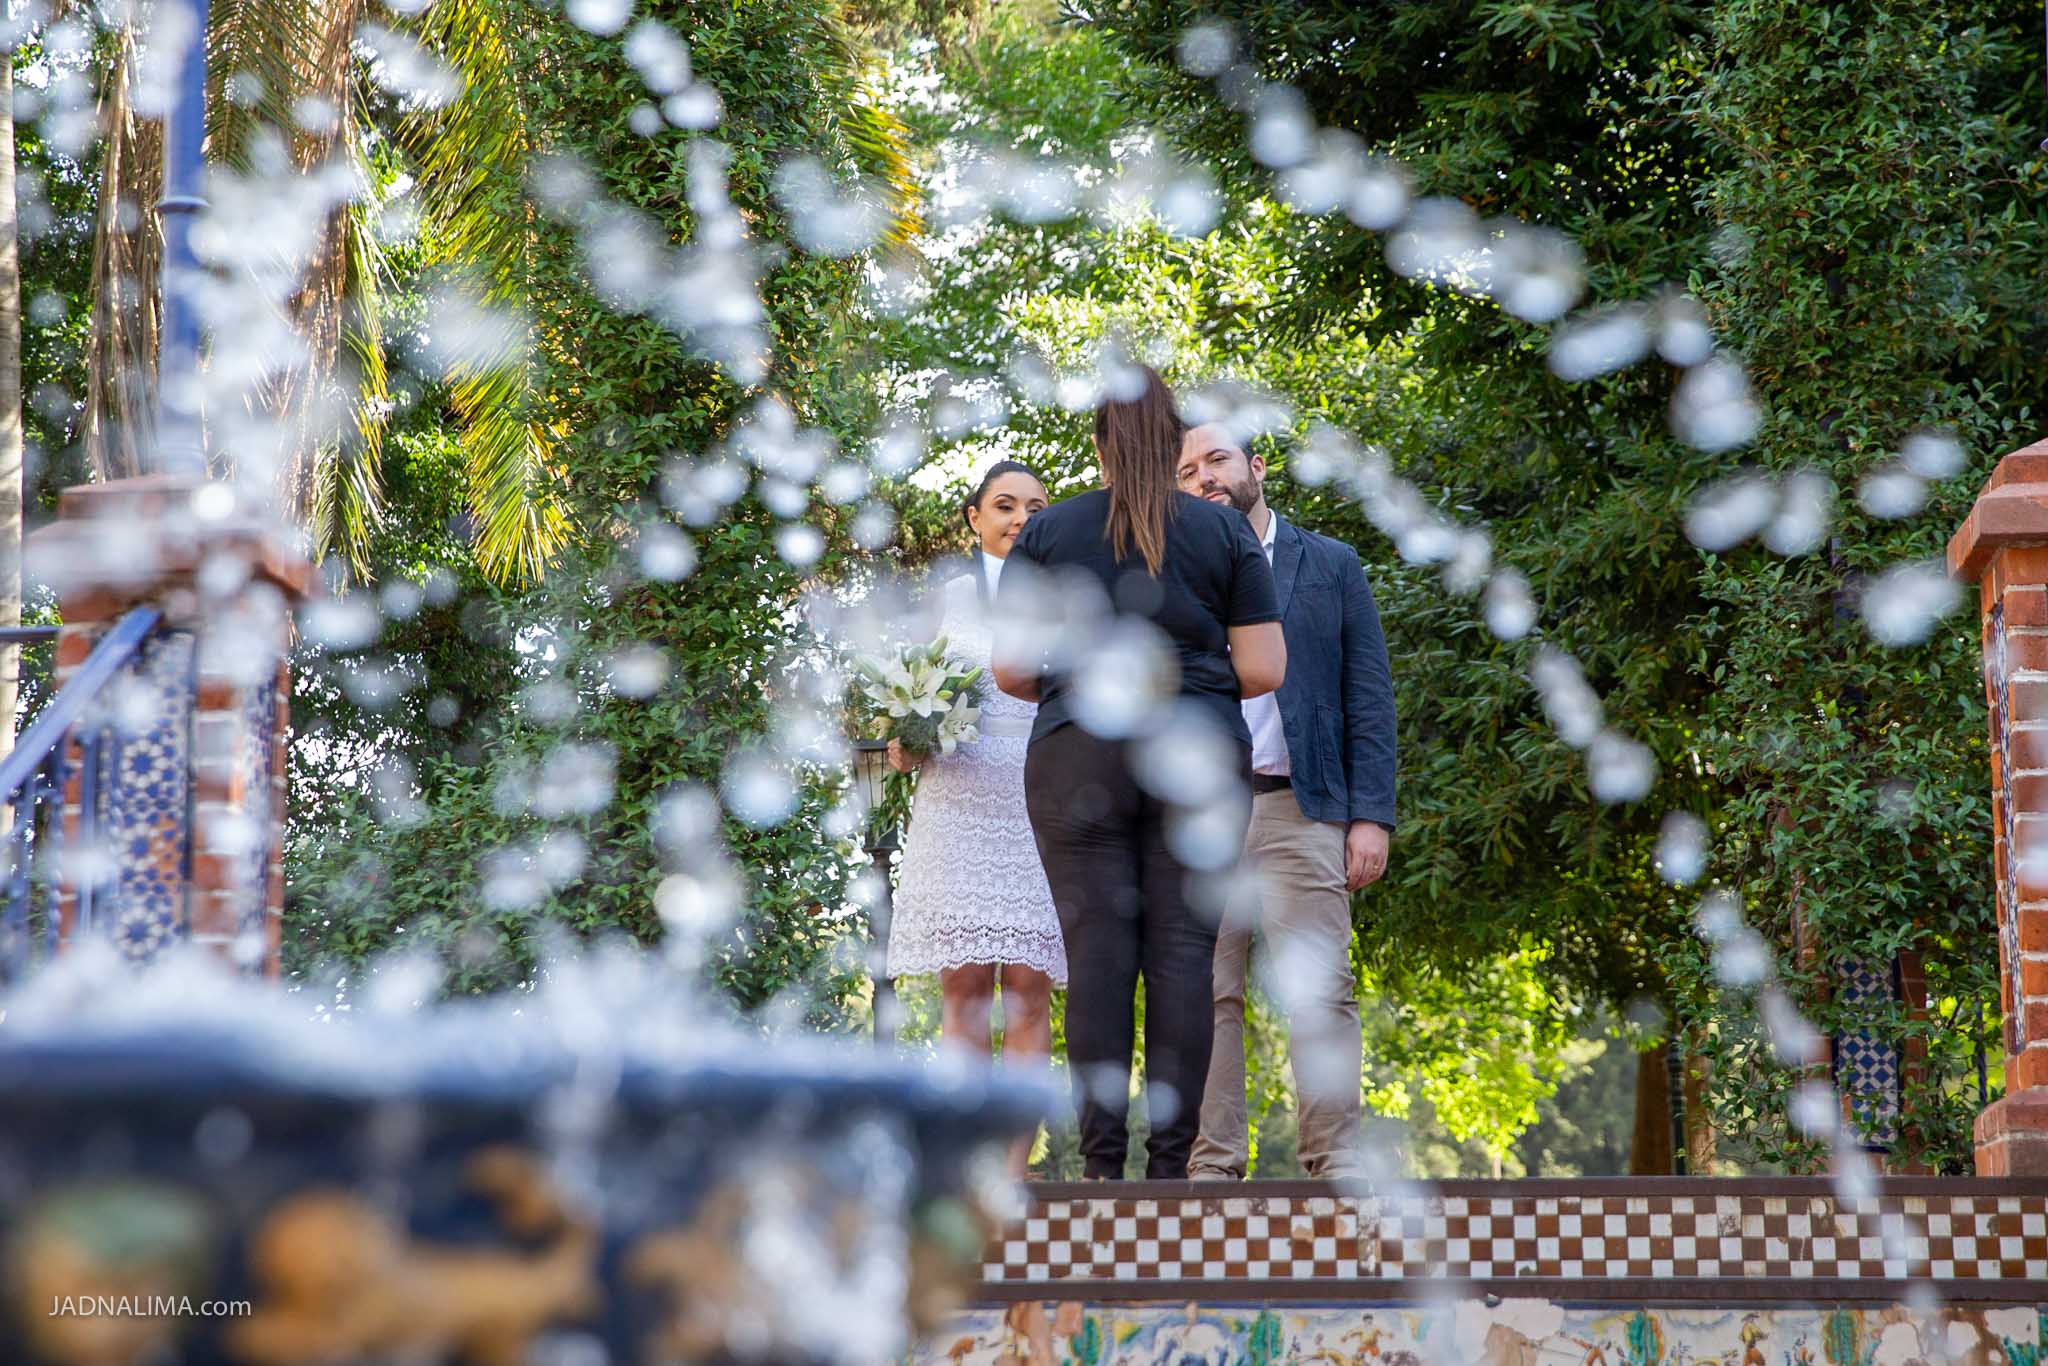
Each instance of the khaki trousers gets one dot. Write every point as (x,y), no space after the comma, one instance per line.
(1304,914)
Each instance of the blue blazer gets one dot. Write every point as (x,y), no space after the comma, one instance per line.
(1337,705)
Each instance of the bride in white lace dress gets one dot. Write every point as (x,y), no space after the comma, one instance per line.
(972,903)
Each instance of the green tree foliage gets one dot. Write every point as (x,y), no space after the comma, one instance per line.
(441,798)
(1467,1040)
(1876,168)
(1852,190)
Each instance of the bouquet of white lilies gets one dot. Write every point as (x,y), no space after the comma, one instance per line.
(927,701)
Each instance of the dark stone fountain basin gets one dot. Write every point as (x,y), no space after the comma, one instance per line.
(447,1186)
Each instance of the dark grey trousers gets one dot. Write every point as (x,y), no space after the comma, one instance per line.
(1123,907)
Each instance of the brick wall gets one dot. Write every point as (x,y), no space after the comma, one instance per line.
(2003,548)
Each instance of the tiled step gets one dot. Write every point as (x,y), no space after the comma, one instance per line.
(1618,1238)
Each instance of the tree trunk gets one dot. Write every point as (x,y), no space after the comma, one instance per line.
(1699,1123)
(10,409)
(1651,1154)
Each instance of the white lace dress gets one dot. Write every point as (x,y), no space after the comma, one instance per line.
(970,888)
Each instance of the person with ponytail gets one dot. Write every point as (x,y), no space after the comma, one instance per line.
(1186,586)
(972,904)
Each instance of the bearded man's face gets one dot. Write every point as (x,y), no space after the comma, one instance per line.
(1213,466)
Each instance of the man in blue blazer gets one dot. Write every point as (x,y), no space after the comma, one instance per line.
(1322,810)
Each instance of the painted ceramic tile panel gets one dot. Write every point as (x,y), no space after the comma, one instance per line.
(1470,1333)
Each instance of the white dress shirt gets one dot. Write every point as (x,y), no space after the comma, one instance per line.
(1262,714)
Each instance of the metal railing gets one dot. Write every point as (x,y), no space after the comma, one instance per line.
(33,778)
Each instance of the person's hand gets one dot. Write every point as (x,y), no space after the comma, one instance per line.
(1365,854)
(900,759)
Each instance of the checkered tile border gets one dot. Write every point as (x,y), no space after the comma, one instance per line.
(1347,1237)
(1273,1238)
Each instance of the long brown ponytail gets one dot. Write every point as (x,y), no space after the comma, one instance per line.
(1139,441)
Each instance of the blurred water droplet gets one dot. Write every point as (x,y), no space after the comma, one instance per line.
(757,790)
(645,120)
(1326,182)
(1719,916)
(401,983)
(1570,702)
(561,857)
(1619,769)
(1902,605)
(638,670)
(1794,1042)
(661,58)
(1379,199)
(1439,241)
(1538,273)
(1121,683)
(1509,607)
(874,526)
(800,545)
(374,684)
(1896,806)
(782,497)
(844,482)
(1806,508)
(1814,1109)
(1206,49)
(1188,760)
(1180,195)
(666,552)
(407,70)
(1283,131)
(1597,343)
(1681,848)
(464,336)
(401,598)
(1469,563)
(1730,512)
(1189,204)
(1891,491)
(685,822)
(1933,455)
(1207,839)
(1683,337)
(824,217)
(1713,408)
(899,447)
(550,701)
(602,17)
(576,778)
(1743,961)
(510,881)
(394,795)
(314,114)
(341,624)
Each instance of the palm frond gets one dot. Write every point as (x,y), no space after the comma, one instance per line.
(265,59)
(507,458)
(319,404)
(880,141)
(126,261)
(345,503)
(262,58)
(471,158)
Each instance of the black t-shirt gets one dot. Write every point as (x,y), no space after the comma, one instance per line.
(1214,576)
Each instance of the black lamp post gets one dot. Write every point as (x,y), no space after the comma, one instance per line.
(871,767)
(181,447)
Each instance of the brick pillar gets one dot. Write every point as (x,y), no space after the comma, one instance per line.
(191,812)
(2003,547)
